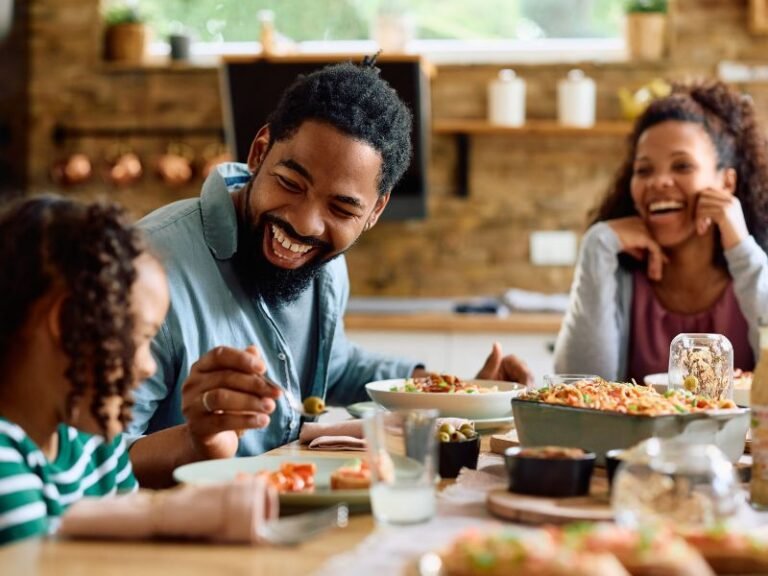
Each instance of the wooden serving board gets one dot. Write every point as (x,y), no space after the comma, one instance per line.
(500,442)
(540,509)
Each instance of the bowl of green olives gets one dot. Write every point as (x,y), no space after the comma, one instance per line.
(459,447)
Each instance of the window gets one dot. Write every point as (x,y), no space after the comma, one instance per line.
(456,27)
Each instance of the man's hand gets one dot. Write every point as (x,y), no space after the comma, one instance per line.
(637,241)
(508,368)
(224,393)
(724,210)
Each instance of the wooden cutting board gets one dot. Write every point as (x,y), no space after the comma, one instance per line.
(500,442)
(539,509)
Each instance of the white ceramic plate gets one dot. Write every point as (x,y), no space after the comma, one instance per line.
(473,406)
(213,471)
(359,410)
(660,381)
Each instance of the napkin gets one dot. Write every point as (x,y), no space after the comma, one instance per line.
(347,435)
(337,443)
(227,513)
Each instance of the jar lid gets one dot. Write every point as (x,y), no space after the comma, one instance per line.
(507,75)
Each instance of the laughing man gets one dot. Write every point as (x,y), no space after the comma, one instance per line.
(259,282)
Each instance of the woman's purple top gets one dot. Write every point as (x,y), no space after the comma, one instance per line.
(653,329)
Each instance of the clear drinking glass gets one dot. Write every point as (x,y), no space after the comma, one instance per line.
(690,486)
(554,379)
(402,453)
(702,364)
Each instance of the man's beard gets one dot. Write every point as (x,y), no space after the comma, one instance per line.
(259,276)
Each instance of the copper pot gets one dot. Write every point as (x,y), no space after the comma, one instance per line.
(72,170)
(214,155)
(125,170)
(174,169)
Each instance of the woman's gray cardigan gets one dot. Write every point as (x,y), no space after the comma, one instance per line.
(594,336)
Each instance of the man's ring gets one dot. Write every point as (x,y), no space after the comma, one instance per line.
(204,399)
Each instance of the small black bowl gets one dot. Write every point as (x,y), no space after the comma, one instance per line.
(612,461)
(456,455)
(541,476)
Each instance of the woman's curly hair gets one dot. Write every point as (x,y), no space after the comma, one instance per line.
(357,101)
(88,252)
(730,120)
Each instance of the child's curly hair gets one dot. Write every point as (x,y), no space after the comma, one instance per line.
(731,122)
(87,251)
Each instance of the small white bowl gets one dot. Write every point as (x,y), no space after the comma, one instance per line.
(659,381)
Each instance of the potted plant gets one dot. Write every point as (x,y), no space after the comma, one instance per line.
(125,36)
(646,29)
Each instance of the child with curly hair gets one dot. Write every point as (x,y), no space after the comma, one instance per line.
(678,243)
(81,301)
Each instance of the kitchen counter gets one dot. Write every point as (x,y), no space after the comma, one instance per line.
(429,331)
(519,322)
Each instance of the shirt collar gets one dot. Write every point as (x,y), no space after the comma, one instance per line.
(218,210)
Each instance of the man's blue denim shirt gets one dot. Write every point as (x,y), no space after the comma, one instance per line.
(196,239)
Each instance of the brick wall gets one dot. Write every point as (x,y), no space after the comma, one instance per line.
(472,245)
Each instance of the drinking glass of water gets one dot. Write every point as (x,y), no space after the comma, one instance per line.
(402,453)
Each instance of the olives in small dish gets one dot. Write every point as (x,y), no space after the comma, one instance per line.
(459,448)
(447,432)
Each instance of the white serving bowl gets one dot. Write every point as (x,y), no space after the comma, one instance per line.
(472,406)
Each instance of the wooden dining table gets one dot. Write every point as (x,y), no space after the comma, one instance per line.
(58,557)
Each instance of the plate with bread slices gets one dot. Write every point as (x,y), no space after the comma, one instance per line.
(302,481)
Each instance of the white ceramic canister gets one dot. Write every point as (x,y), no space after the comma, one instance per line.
(506,99)
(576,100)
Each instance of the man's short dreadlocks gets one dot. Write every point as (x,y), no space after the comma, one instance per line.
(355,100)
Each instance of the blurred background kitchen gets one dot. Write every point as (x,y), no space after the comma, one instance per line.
(136,113)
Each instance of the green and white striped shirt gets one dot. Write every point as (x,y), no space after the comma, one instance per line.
(34,492)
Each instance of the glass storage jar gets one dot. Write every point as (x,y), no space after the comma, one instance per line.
(702,364)
(669,482)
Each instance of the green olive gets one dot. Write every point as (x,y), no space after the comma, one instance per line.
(467,429)
(314,405)
(458,437)
(447,428)
(444,437)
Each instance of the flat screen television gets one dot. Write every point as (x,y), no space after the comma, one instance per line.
(252,88)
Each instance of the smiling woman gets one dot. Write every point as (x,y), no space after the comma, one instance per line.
(678,243)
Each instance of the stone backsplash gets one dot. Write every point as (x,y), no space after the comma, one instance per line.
(468,245)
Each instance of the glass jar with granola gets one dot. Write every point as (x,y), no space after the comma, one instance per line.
(702,364)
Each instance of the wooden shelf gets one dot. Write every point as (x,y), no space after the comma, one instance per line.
(462,129)
(532,127)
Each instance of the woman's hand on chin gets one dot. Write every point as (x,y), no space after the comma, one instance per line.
(722,208)
(636,240)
